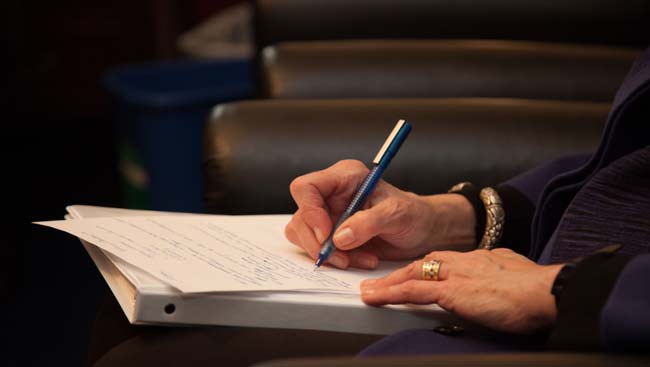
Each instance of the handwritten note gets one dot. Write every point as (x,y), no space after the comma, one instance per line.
(205,253)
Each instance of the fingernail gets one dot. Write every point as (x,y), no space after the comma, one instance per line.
(368,282)
(319,235)
(337,260)
(344,237)
(368,291)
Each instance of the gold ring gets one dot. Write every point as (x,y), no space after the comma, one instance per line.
(431,270)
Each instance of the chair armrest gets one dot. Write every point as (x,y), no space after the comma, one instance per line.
(444,68)
(254,149)
(473,360)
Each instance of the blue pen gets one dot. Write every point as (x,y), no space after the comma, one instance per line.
(381,161)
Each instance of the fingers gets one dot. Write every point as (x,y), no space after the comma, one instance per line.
(312,189)
(405,285)
(300,234)
(362,259)
(317,220)
(357,258)
(323,195)
(385,217)
(412,291)
(413,271)
(291,235)
(313,193)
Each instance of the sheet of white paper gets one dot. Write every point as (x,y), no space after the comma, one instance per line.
(209,253)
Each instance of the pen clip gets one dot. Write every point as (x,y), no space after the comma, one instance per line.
(380,155)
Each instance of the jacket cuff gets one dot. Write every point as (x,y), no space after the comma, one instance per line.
(472,194)
(584,295)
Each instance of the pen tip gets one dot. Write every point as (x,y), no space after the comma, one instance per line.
(315,267)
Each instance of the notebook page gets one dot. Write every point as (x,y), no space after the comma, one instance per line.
(138,277)
(214,253)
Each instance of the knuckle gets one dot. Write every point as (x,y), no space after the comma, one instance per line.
(396,212)
(310,213)
(366,222)
(288,232)
(414,265)
(446,300)
(431,255)
(351,163)
(353,167)
(291,226)
(444,255)
(344,165)
(407,212)
(478,255)
(502,252)
(310,216)
(408,289)
(296,184)
(299,216)
(415,269)
(393,208)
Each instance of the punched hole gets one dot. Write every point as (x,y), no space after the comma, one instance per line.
(170,308)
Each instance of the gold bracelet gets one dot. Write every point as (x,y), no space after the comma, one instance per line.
(494,219)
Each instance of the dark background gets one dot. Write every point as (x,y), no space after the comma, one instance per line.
(58,149)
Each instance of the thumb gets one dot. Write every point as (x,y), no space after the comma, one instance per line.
(368,223)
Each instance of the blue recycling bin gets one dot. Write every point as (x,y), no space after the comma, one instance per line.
(160,112)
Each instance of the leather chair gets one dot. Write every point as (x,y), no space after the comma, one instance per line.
(443,69)
(603,22)
(482,111)
(253,149)
(492,88)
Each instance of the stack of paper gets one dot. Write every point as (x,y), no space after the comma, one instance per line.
(227,270)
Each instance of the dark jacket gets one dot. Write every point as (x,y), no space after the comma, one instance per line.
(607,299)
(553,214)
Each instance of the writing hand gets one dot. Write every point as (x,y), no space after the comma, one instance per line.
(393,224)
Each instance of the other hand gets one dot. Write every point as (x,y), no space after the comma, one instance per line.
(393,224)
(499,289)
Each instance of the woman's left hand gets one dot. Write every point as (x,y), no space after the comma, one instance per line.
(499,289)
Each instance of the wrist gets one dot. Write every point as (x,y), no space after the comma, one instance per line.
(549,274)
(491,220)
(452,222)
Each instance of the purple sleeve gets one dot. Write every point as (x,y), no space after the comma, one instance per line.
(625,319)
(520,195)
(532,182)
